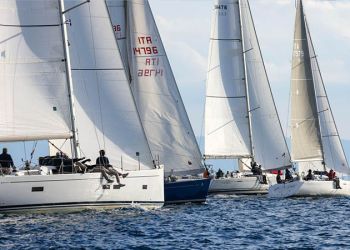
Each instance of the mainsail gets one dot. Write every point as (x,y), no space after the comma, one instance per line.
(34,96)
(305,128)
(238,89)
(227,133)
(265,124)
(106,114)
(163,115)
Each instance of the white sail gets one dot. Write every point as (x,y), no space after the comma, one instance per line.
(162,112)
(266,127)
(334,156)
(305,129)
(34,97)
(106,114)
(227,133)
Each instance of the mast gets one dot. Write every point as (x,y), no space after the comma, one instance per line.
(245,81)
(75,149)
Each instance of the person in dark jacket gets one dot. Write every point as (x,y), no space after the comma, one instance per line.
(278,177)
(103,163)
(309,176)
(289,175)
(6,162)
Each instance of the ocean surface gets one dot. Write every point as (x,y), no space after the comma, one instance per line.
(224,222)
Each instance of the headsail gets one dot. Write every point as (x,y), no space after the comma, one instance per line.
(306,138)
(227,133)
(266,127)
(106,114)
(334,155)
(162,111)
(34,95)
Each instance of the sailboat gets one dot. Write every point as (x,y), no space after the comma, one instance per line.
(62,79)
(316,144)
(162,112)
(241,120)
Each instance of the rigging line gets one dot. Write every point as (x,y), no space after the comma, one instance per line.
(76,6)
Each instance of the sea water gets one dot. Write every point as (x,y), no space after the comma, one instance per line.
(224,222)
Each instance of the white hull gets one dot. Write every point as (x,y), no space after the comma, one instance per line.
(241,185)
(309,188)
(144,188)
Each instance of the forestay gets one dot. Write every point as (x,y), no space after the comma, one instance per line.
(227,133)
(266,128)
(305,135)
(34,95)
(334,155)
(106,114)
(162,112)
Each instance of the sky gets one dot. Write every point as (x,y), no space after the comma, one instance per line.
(184,26)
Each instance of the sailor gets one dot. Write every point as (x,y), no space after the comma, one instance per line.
(278,177)
(206,173)
(6,162)
(254,167)
(331,175)
(259,170)
(103,163)
(309,176)
(288,176)
(219,174)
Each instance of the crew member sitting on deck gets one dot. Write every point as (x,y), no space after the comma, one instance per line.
(331,175)
(6,162)
(309,176)
(206,173)
(103,163)
(254,168)
(219,174)
(289,175)
(278,177)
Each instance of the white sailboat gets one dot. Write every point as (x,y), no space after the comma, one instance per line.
(316,144)
(61,85)
(240,114)
(163,115)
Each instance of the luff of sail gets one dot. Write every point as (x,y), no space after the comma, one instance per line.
(266,127)
(227,132)
(334,155)
(305,135)
(106,114)
(34,95)
(163,115)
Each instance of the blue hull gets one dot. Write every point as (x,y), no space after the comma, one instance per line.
(192,190)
